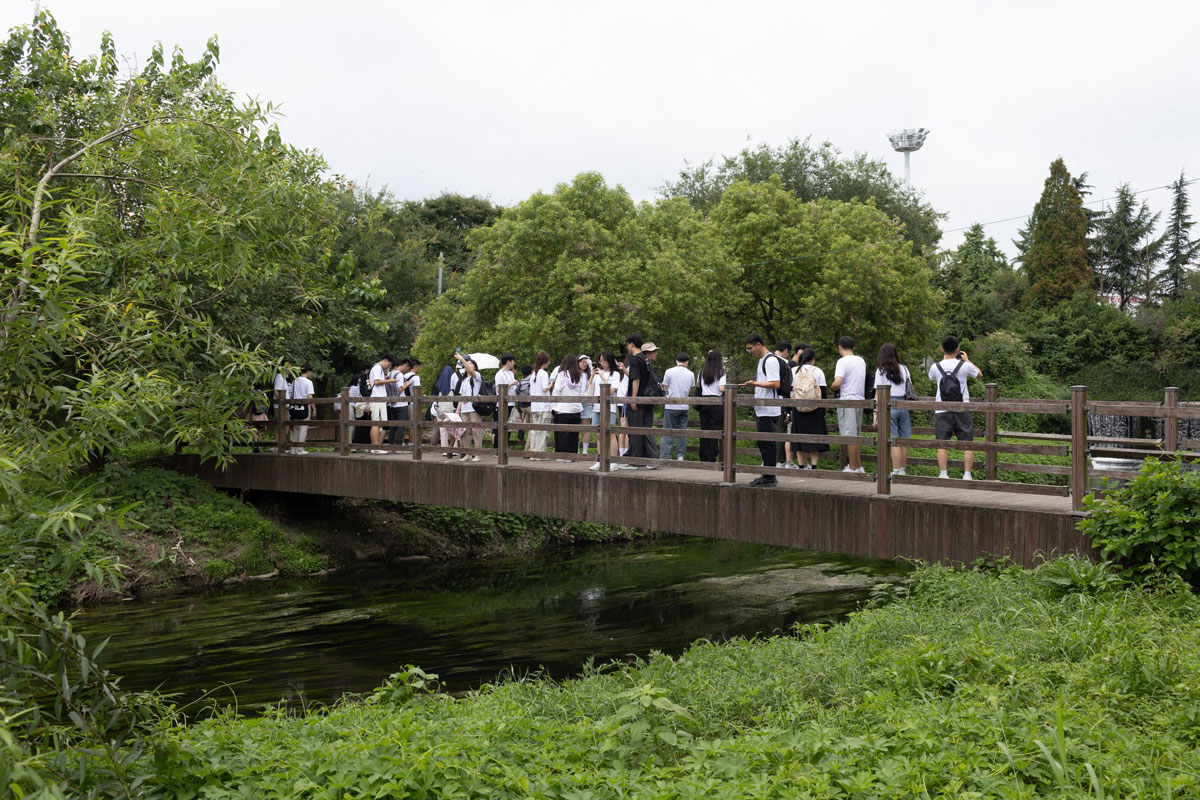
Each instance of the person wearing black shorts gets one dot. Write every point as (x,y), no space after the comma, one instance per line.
(954,368)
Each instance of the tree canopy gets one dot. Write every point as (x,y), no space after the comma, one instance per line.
(811,172)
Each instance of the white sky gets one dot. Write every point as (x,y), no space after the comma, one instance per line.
(502,99)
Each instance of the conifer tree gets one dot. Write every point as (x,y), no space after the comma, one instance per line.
(1056,264)
(1129,251)
(1181,251)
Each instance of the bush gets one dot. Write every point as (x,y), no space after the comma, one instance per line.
(1152,524)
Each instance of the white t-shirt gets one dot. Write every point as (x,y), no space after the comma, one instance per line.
(897,389)
(468,386)
(713,389)
(768,370)
(281,384)
(853,372)
(678,382)
(601,378)
(564,387)
(377,374)
(505,377)
(301,389)
(396,373)
(968,371)
(413,382)
(539,384)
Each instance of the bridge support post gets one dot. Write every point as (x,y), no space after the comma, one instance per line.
(502,425)
(729,435)
(883,432)
(1171,424)
(280,429)
(991,431)
(1079,440)
(415,421)
(603,451)
(345,432)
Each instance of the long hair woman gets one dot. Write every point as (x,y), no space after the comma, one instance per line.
(813,421)
(894,375)
(539,412)
(712,384)
(605,374)
(570,385)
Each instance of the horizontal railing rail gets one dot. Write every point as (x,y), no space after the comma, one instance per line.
(1070,453)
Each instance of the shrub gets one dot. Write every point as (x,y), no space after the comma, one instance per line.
(1152,524)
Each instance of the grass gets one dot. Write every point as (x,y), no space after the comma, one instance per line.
(999,683)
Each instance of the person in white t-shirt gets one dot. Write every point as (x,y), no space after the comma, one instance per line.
(412,382)
(539,411)
(678,381)
(850,380)
(606,374)
(956,366)
(378,380)
(712,384)
(506,376)
(469,385)
(811,421)
(301,389)
(895,376)
(766,386)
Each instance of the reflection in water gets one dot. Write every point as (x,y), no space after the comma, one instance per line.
(313,640)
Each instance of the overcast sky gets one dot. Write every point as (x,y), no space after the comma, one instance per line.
(503,99)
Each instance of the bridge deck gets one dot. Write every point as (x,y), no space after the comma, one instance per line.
(932,523)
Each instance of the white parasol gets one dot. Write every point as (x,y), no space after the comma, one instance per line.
(485,360)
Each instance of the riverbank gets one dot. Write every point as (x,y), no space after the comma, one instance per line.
(172,532)
(1004,683)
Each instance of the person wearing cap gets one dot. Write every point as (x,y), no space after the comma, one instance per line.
(639,415)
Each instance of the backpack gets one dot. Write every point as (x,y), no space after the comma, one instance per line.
(364,383)
(785,378)
(805,387)
(653,387)
(485,388)
(521,387)
(949,389)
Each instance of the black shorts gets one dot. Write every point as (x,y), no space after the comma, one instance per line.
(953,424)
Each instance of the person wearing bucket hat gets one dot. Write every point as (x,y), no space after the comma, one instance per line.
(640,380)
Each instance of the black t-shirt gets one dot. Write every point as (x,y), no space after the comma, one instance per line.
(639,370)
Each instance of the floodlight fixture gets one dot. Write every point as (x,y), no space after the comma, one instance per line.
(907,141)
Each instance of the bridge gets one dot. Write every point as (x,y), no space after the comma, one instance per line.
(872,515)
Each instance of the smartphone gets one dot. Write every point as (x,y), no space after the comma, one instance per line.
(458,349)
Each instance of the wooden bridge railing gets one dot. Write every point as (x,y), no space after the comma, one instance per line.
(1072,450)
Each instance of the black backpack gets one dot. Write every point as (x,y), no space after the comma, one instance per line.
(949,389)
(364,383)
(785,377)
(485,389)
(651,387)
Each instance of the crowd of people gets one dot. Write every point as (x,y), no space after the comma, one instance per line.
(569,394)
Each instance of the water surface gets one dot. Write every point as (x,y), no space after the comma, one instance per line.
(315,639)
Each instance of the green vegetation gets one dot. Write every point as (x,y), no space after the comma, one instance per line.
(1151,525)
(997,683)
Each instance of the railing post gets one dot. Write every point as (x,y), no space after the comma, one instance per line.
(883,432)
(603,451)
(345,431)
(991,427)
(280,410)
(729,435)
(416,423)
(1171,424)
(1079,439)
(502,425)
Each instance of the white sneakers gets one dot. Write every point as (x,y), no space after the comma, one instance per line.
(679,458)
(625,466)
(898,472)
(859,471)
(967,476)
(595,467)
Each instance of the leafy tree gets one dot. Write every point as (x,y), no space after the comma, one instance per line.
(819,270)
(1180,249)
(1056,265)
(971,279)
(1129,250)
(1080,334)
(577,269)
(1024,241)
(811,172)
(161,242)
